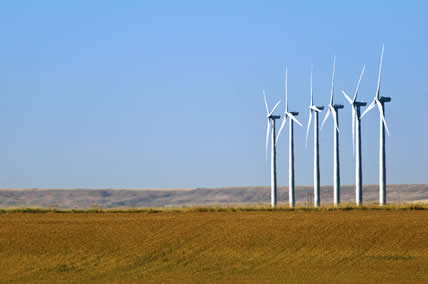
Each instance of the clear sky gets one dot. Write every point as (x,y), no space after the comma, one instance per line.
(169,93)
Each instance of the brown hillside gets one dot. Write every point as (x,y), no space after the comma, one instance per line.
(112,198)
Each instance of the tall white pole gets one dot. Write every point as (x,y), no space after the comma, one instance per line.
(273,167)
(316,163)
(336,167)
(358,167)
(382,168)
(291,166)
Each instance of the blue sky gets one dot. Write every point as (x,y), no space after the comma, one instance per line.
(169,93)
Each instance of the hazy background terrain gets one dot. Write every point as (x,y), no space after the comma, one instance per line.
(110,198)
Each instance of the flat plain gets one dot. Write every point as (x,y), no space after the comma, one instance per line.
(307,246)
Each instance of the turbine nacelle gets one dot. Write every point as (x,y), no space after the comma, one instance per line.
(384,99)
(292,113)
(273,116)
(316,108)
(359,104)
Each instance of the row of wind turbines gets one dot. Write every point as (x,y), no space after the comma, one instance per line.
(333,109)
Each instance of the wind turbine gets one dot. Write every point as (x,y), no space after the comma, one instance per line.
(291,115)
(380,103)
(270,117)
(356,117)
(334,110)
(315,109)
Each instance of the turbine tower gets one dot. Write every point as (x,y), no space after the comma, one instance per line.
(270,117)
(315,110)
(356,127)
(334,110)
(380,102)
(291,115)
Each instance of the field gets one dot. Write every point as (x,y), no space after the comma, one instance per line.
(208,245)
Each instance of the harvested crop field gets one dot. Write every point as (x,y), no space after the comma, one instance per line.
(352,246)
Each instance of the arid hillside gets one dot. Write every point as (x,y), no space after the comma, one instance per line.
(112,198)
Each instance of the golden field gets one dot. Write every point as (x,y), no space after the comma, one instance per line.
(210,245)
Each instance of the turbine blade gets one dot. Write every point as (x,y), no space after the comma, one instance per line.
(358,85)
(384,123)
(309,125)
(264,96)
(347,97)
(353,129)
(286,90)
(325,117)
(372,105)
(332,81)
(267,137)
(295,119)
(312,96)
(280,129)
(277,104)
(379,106)
(336,123)
(380,73)
(381,111)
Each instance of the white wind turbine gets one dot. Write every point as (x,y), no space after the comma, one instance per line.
(291,115)
(356,127)
(334,110)
(270,117)
(315,110)
(380,103)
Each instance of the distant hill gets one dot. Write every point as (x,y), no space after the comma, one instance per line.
(111,198)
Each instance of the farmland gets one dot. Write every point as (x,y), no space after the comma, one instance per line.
(306,245)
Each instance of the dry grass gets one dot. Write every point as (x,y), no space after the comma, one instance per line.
(216,243)
(223,208)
